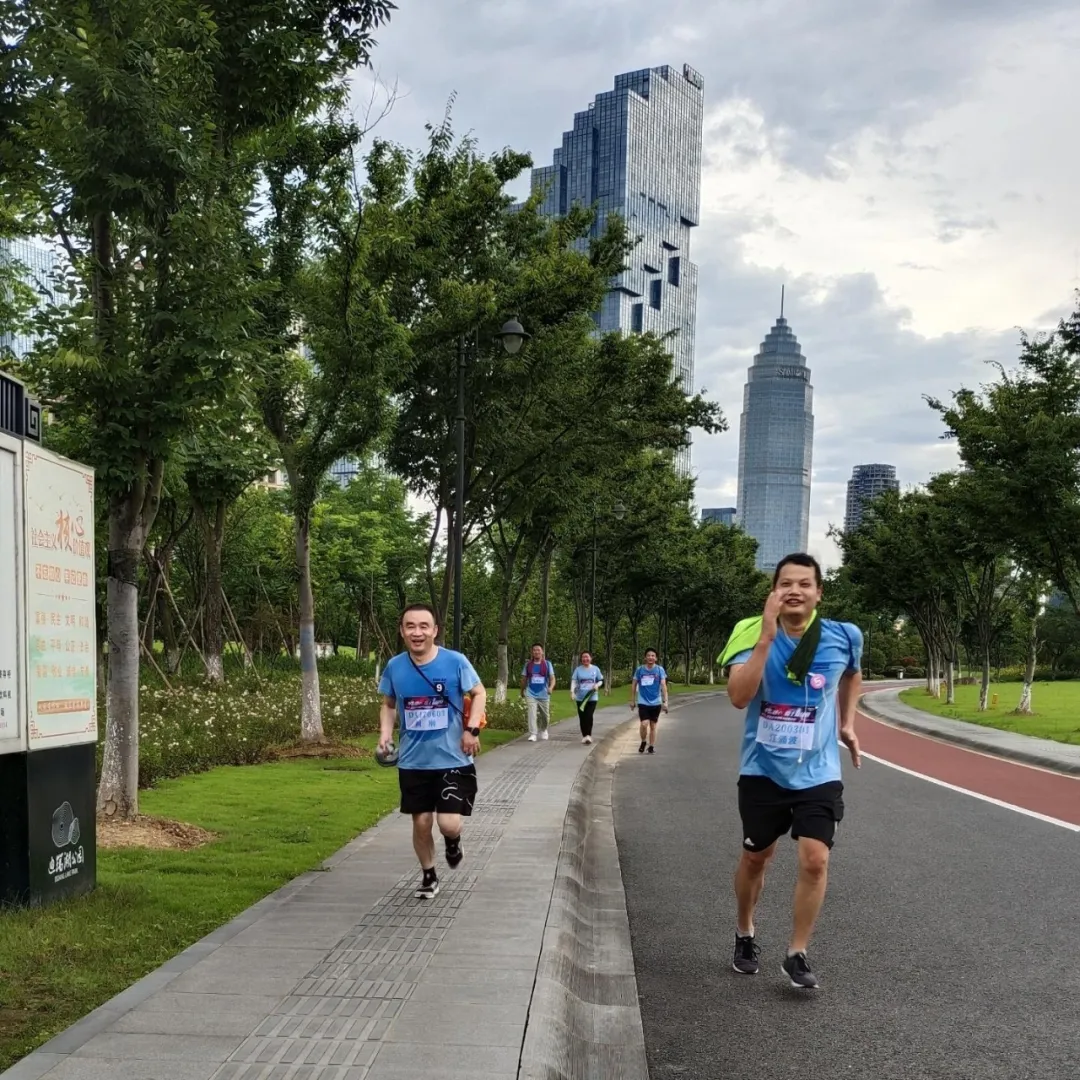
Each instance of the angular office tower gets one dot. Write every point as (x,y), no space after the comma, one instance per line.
(776,440)
(866,484)
(636,151)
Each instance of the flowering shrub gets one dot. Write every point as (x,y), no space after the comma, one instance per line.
(197,726)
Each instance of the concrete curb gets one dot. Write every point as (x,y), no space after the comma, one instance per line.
(1041,753)
(584,1018)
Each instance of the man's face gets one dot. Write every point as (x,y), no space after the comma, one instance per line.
(586,659)
(537,653)
(650,658)
(418,628)
(798,590)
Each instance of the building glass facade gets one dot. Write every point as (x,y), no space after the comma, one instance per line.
(36,264)
(776,440)
(636,151)
(720,515)
(866,484)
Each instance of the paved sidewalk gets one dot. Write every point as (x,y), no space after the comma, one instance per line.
(342,974)
(1044,753)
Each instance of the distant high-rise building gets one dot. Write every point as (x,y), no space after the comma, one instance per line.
(721,515)
(636,152)
(36,264)
(776,441)
(344,471)
(866,484)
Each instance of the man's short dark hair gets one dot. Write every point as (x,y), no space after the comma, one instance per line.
(537,645)
(799,558)
(650,650)
(420,607)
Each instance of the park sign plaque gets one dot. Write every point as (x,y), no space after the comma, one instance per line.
(48,666)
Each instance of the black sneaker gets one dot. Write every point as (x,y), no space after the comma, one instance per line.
(454,854)
(798,971)
(641,748)
(745,960)
(652,749)
(429,887)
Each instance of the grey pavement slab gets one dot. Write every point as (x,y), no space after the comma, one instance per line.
(343,974)
(1044,753)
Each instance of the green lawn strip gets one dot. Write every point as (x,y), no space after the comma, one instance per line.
(1057,709)
(273,822)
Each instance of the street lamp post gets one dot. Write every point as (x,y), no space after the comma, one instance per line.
(513,336)
(619,512)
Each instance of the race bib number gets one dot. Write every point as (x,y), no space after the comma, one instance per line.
(587,685)
(539,680)
(426,713)
(647,680)
(788,727)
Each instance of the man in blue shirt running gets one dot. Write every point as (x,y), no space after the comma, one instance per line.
(537,686)
(649,694)
(424,688)
(798,677)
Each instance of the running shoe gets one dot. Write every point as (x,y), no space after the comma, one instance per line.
(454,854)
(429,887)
(532,738)
(797,969)
(641,748)
(747,951)
(544,734)
(652,749)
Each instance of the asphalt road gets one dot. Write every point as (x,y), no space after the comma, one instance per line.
(948,948)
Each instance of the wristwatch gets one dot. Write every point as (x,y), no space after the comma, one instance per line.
(474,732)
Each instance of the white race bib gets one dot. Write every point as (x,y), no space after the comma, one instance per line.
(539,680)
(787,727)
(426,713)
(587,685)
(647,680)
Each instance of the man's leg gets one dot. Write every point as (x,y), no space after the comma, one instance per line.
(643,730)
(457,795)
(543,707)
(450,827)
(809,891)
(652,732)
(530,710)
(749,881)
(422,841)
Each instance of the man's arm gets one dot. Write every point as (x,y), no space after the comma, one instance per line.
(848,694)
(478,694)
(524,677)
(633,692)
(663,692)
(551,678)
(387,716)
(745,678)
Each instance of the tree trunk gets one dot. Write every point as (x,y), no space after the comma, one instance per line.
(153,587)
(1024,705)
(311,725)
(984,687)
(950,683)
(130,520)
(545,595)
(166,620)
(213,527)
(502,680)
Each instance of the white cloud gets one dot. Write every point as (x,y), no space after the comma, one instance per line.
(907,168)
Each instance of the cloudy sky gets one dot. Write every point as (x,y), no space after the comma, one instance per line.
(908,168)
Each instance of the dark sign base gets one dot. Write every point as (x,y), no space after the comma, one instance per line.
(48,842)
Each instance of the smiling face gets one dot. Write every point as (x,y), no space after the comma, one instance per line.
(586,659)
(799,591)
(650,658)
(418,628)
(537,653)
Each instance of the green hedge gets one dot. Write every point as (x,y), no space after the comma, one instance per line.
(196,726)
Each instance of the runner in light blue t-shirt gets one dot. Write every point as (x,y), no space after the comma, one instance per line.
(649,694)
(585,686)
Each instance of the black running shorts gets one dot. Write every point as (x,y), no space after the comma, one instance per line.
(769,810)
(648,712)
(438,791)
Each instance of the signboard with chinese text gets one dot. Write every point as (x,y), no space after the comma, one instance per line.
(12,733)
(61,684)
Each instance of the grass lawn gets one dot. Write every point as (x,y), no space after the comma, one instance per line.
(1056,704)
(273,822)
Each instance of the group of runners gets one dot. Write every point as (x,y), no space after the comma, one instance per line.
(796,674)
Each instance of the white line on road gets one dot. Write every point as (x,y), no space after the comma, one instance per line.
(976,794)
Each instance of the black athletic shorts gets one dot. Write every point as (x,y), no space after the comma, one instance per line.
(769,810)
(649,712)
(438,791)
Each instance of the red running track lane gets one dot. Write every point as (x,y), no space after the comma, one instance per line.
(1045,792)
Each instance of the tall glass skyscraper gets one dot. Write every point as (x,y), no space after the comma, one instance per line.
(36,265)
(776,441)
(866,484)
(636,151)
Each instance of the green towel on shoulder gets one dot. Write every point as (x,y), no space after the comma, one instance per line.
(748,631)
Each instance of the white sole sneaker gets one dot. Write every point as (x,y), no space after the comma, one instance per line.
(544,736)
(427,894)
(532,738)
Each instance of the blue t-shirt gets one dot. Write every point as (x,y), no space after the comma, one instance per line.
(586,681)
(648,682)
(536,674)
(792,730)
(430,715)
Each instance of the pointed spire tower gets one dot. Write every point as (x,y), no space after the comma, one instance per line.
(776,440)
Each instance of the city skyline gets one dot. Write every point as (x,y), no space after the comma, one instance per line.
(776,442)
(905,178)
(635,151)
